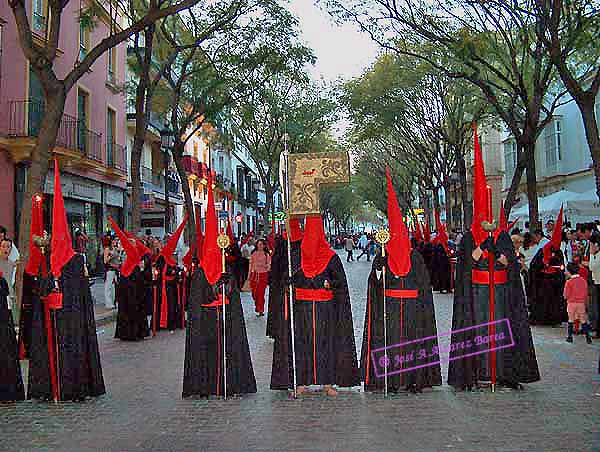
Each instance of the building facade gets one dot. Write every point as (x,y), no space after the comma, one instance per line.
(91,138)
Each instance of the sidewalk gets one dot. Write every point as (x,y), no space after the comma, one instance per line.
(102,314)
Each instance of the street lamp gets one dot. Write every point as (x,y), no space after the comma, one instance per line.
(454,181)
(167,140)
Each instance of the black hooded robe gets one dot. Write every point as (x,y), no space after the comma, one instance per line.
(408,319)
(173,297)
(278,288)
(132,324)
(546,285)
(203,367)
(514,365)
(324,345)
(78,365)
(11,380)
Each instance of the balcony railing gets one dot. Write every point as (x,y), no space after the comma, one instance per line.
(23,119)
(158,181)
(115,156)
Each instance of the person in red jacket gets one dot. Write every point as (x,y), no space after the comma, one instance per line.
(576,294)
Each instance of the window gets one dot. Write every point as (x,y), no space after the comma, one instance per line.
(112,64)
(39,16)
(82,119)
(552,143)
(111,125)
(240,181)
(510,158)
(84,40)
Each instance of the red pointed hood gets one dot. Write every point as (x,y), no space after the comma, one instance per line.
(211,254)
(133,257)
(315,251)
(141,248)
(37,228)
(502,223)
(441,234)
(554,242)
(296,233)
(61,242)
(427,231)
(480,193)
(230,231)
(169,248)
(418,232)
(398,248)
(247,238)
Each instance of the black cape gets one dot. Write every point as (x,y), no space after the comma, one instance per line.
(330,323)
(407,320)
(132,324)
(546,302)
(514,365)
(278,287)
(203,367)
(78,364)
(440,269)
(11,381)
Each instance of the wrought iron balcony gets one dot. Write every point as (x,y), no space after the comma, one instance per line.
(115,157)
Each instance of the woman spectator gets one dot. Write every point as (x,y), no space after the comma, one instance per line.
(260,265)
(112,262)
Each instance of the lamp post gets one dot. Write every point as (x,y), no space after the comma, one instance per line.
(167,139)
(456,219)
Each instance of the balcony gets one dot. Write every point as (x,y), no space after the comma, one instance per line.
(156,181)
(20,123)
(115,158)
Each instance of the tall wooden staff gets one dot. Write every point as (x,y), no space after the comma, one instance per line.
(223,242)
(284,182)
(382,237)
(490,227)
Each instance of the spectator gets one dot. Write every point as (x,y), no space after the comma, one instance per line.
(365,245)
(549,229)
(260,266)
(594,267)
(112,262)
(349,245)
(14,252)
(576,294)
(7,268)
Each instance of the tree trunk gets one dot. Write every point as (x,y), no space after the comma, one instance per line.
(532,196)
(268,207)
(511,196)
(36,175)
(467,206)
(590,124)
(190,230)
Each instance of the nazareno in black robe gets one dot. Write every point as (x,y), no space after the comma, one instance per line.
(278,287)
(546,285)
(78,365)
(440,269)
(203,367)
(514,365)
(11,381)
(174,297)
(132,324)
(325,347)
(408,319)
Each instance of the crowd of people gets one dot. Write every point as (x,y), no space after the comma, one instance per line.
(314,343)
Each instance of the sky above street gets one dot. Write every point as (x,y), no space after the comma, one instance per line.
(342,51)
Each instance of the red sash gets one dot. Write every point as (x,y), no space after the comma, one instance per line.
(314,294)
(483,277)
(402,293)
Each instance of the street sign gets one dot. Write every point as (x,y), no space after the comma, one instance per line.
(223,214)
(279,216)
(239,218)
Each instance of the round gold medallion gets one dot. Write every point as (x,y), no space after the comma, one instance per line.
(382,236)
(223,241)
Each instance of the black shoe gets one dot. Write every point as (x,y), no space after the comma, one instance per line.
(588,339)
(570,339)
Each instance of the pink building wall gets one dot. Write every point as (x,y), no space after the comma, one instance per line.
(15,78)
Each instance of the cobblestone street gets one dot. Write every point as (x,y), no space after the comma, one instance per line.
(143,409)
